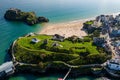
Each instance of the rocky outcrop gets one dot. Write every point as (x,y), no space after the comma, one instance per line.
(28,17)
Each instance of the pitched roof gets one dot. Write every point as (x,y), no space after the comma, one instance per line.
(6,66)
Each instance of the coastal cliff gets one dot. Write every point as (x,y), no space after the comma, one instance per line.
(42,53)
(29,18)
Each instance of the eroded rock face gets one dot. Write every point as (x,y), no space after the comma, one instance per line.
(12,14)
(43,19)
(28,17)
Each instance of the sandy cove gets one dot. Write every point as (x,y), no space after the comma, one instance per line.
(68,28)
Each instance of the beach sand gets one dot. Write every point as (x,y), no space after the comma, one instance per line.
(67,28)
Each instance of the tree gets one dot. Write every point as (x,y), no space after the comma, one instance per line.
(96,33)
(41,65)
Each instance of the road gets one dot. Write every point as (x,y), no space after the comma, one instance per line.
(114,55)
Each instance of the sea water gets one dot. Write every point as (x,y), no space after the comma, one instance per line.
(57,11)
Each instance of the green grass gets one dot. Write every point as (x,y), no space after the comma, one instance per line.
(66,45)
(89,22)
(71,53)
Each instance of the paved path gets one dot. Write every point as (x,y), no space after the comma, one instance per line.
(111,47)
(13,50)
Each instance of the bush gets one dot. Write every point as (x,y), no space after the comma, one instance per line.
(63,57)
(78,61)
(96,33)
(74,39)
(87,39)
(96,58)
(58,65)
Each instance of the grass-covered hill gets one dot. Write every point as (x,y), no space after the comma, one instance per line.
(73,51)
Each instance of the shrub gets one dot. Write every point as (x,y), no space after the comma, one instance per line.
(96,58)
(87,39)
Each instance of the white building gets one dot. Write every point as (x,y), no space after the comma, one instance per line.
(117,18)
(6,69)
(114,64)
(30,34)
(35,40)
(96,23)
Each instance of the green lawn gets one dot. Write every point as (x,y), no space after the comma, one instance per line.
(72,53)
(66,45)
(89,22)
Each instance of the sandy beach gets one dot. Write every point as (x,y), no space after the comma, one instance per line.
(68,28)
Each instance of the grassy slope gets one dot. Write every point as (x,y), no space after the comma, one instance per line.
(25,42)
(33,53)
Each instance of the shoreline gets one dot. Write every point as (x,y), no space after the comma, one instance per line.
(69,28)
(66,29)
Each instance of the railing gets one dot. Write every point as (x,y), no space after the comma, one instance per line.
(67,74)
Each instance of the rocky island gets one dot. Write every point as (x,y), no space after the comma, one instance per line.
(41,53)
(29,18)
